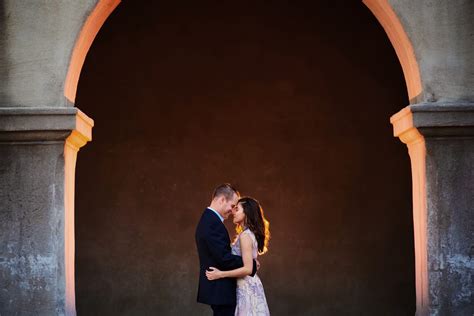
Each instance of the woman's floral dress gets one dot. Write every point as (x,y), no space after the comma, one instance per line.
(251,299)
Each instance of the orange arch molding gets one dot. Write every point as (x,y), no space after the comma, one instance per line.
(399,39)
(93,24)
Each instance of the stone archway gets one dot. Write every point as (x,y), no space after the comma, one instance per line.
(403,49)
(37,119)
(167,150)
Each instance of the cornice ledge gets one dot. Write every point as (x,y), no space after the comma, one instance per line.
(42,124)
(435,119)
(404,128)
(82,132)
(444,119)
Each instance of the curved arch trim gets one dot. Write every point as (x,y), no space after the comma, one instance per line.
(90,29)
(400,42)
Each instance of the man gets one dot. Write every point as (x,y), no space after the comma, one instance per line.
(213,245)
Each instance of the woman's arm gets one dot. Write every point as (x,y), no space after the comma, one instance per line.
(246,251)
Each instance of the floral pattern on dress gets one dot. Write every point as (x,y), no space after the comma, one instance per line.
(251,299)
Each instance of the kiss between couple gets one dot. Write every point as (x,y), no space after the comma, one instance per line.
(227,275)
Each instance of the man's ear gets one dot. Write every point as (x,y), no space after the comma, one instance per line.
(222,199)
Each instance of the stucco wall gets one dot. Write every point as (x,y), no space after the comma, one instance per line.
(35,49)
(441,34)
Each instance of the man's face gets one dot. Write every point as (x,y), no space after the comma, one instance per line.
(229,205)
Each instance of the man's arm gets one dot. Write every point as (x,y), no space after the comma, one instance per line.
(220,251)
(246,249)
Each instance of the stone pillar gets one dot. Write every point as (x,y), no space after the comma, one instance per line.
(433,41)
(43,45)
(38,148)
(440,140)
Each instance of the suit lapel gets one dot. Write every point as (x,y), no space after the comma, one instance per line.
(221,222)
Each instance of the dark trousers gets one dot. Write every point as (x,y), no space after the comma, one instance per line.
(223,310)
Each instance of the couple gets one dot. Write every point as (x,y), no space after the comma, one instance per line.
(227,276)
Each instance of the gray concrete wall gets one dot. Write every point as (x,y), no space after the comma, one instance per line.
(451,218)
(31,229)
(35,48)
(441,33)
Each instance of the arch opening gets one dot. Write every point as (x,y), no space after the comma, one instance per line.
(284,134)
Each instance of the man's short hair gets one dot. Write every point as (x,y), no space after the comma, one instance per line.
(226,190)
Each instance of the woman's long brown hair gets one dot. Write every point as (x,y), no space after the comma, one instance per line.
(255,221)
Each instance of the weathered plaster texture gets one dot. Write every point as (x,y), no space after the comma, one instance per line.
(448,131)
(441,33)
(35,48)
(450,187)
(31,229)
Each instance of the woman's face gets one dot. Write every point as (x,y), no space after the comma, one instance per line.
(239,215)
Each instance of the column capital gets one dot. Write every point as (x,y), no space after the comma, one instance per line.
(43,124)
(434,120)
(404,128)
(82,133)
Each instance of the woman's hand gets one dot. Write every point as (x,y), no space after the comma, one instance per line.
(214,274)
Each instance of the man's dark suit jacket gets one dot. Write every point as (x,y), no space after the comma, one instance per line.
(213,245)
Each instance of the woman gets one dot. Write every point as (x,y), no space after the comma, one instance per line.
(252,239)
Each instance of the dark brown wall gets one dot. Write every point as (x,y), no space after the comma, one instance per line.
(289,102)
